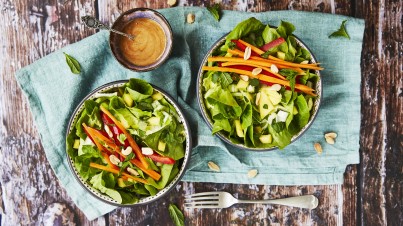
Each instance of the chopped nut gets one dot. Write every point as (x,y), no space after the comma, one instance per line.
(274,68)
(147,151)
(252,173)
(257,99)
(275,87)
(213,166)
(127,151)
(318,148)
(132,171)
(114,160)
(108,131)
(331,135)
(304,62)
(256,71)
(190,18)
(248,52)
(244,77)
(329,140)
(171,2)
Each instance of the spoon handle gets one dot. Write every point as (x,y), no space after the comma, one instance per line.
(91,22)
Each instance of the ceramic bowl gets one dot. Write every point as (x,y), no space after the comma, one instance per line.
(111,87)
(127,17)
(223,136)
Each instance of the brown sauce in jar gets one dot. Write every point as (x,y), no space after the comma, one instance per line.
(149,42)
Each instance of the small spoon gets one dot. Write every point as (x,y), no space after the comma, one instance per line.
(91,22)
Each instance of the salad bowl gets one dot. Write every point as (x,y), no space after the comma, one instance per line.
(262,134)
(106,174)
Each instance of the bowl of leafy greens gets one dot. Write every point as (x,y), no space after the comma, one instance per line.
(128,143)
(259,87)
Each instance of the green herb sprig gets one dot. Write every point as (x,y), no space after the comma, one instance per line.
(74,66)
(215,10)
(176,215)
(342,32)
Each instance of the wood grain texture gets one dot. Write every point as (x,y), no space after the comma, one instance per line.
(381,169)
(32,29)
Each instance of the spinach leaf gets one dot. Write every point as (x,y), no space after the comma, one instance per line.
(139,89)
(285,29)
(176,215)
(221,124)
(215,11)
(302,117)
(244,28)
(74,66)
(225,80)
(342,32)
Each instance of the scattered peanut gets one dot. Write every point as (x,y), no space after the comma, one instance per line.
(252,173)
(304,62)
(256,71)
(329,140)
(132,171)
(318,148)
(127,151)
(213,166)
(330,137)
(244,77)
(114,160)
(248,52)
(274,68)
(171,2)
(190,18)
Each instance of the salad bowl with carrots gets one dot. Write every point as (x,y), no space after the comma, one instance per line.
(259,87)
(128,143)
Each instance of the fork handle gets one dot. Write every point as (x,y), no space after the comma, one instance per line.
(304,201)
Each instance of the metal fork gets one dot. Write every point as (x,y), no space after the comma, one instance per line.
(221,199)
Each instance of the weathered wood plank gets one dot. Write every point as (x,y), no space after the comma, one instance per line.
(382,103)
(30,30)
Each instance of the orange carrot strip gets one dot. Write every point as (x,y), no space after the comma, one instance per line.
(239,53)
(153,174)
(156,176)
(254,65)
(303,88)
(228,69)
(290,64)
(132,142)
(252,47)
(105,168)
(236,52)
(262,77)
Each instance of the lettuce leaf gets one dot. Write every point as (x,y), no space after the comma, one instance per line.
(99,183)
(139,89)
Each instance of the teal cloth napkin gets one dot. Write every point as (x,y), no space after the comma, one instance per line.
(53,93)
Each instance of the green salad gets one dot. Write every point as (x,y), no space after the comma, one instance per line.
(259,86)
(128,142)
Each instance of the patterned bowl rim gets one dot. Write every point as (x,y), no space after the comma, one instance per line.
(185,161)
(222,136)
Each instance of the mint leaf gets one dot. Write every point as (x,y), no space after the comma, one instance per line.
(73,64)
(226,80)
(290,75)
(215,11)
(341,32)
(176,215)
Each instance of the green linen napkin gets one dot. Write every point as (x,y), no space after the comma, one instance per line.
(53,93)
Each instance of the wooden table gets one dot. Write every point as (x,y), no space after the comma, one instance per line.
(371,193)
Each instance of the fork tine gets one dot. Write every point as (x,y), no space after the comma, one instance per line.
(207,204)
(202,198)
(202,207)
(203,193)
